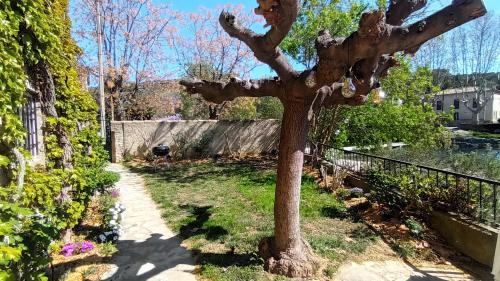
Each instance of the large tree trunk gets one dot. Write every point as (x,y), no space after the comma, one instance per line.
(287,253)
(44,83)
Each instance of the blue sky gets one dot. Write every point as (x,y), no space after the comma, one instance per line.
(249,5)
(193,5)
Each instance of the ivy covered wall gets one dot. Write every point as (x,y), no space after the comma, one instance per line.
(38,205)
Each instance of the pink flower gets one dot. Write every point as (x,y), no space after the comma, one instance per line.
(86,246)
(69,249)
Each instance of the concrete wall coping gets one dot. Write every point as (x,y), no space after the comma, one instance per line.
(187,121)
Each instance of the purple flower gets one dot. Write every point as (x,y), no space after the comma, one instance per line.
(86,246)
(69,249)
(115,192)
(175,117)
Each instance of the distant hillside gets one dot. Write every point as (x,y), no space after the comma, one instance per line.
(444,79)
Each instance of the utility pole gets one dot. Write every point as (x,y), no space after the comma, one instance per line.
(102,114)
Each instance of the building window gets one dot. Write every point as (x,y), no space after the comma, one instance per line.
(474,103)
(29,118)
(456,103)
(439,105)
(456,116)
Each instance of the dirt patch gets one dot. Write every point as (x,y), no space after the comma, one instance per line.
(428,250)
(86,266)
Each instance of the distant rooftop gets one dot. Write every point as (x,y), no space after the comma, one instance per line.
(464,90)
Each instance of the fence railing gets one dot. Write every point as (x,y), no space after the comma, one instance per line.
(480,196)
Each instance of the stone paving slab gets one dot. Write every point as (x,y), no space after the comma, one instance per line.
(396,270)
(147,249)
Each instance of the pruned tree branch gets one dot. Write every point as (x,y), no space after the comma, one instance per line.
(265,47)
(457,13)
(361,52)
(365,56)
(399,10)
(329,96)
(218,92)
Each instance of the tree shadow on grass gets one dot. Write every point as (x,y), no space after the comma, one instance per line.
(191,172)
(200,215)
(338,212)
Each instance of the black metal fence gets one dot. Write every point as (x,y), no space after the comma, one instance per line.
(479,196)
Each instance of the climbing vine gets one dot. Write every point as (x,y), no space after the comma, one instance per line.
(38,56)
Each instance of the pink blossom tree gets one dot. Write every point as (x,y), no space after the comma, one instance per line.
(204,50)
(136,37)
(347,70)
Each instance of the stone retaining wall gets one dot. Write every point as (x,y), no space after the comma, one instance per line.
(210,137)
(474,240)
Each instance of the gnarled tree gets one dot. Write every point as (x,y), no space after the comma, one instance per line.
(348,69)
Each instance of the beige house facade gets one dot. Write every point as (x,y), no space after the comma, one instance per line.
(471,106)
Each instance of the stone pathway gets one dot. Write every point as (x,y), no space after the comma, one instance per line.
(147,249)
(396,270)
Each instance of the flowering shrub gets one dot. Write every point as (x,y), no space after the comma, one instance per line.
(115,192)
(112,214)
(76,248)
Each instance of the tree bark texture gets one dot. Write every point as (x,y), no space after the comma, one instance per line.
(41,75)
(364,57)
(45,91)
(288,254)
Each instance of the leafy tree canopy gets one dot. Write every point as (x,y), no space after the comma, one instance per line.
(339,17)
(405,114)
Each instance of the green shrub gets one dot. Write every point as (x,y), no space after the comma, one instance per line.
(405,249)
(127,157)
(412,192)
(54,197)
(105,202)
(386,189)
(99,179)
(416,228)
(107,249)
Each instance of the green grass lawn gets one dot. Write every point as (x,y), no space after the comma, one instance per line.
(222,210)
(485,135)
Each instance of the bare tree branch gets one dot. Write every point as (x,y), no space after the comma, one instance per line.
(364,56)
(399,10)
(457,13)
(218,92)
(265,47)
(328,96)
(375,38)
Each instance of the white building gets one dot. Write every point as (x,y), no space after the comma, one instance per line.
(470,107)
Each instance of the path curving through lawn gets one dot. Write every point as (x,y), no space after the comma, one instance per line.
(221,211)
(147,249)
